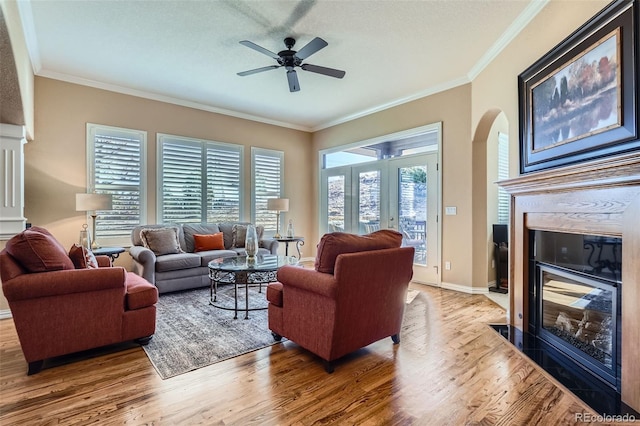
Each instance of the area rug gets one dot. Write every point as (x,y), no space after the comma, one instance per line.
(191,334)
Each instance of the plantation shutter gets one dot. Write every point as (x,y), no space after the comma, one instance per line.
(223,183)
(503,173)
(116,165)
(181,182)
(267,180)
(198,181)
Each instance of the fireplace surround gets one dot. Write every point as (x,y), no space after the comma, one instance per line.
(599,198)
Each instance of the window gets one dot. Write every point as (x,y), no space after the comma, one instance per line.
(116,166)
(503,173)
(267,169)
(198,180)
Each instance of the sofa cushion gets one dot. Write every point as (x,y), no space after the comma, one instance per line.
(274,293)
(161,240)
(208,256)
(140,293)
(38,252)
(190,229)
(82,257)
(336,243)
(208,242)
(238,235)
(174,262)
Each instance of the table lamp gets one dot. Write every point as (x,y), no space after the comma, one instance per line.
(92,203)
(279,205)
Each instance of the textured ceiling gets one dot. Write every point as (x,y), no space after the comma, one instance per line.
(187,52)
(10,101)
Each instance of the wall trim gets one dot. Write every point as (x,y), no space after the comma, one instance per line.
(464,289)
(5,314)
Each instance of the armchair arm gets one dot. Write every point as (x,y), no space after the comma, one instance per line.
(308,280)
(269,244)
(144,262)
(55,283)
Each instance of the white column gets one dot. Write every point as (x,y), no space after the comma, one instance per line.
(12,220)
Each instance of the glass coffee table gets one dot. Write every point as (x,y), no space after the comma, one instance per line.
(242,271)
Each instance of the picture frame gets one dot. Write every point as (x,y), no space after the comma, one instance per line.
(580,101)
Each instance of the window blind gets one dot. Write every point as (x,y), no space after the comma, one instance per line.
(503,173)
(116,167)
(198,180)
(267,177)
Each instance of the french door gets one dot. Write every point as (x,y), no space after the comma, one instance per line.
(399,193)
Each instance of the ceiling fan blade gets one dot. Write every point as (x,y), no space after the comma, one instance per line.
(312,47)
(260,49)
(292,76)
(257,70)
(331,72)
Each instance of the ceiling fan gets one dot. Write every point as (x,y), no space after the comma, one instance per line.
(291,59)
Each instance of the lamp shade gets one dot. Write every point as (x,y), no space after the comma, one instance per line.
(278,204)
(92,202)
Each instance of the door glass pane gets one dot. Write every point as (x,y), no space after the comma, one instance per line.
(368,201)
(412,210)
(335,202)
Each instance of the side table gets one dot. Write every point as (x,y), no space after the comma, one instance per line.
(286,240)
(112,252)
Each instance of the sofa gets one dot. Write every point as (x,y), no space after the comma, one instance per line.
(355,295)
(64,303)
(174,257)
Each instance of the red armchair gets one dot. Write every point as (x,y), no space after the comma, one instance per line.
(64,310)
(343,306)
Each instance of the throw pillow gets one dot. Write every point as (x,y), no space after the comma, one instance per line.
(336,243)
(82,257)
(161,240)
(238,235)
(209,241)
(38,252)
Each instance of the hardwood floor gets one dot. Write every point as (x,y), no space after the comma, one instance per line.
(450,368)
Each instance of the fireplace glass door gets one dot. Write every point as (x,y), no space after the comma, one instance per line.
(578,315)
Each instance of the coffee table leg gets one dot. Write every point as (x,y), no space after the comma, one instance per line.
(235,289)
(246,300)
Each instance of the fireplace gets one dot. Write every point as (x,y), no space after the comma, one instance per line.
(599,202)
(575,294)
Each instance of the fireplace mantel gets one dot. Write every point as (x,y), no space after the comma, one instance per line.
(600,197)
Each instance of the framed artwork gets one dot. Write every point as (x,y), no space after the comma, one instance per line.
(580,101)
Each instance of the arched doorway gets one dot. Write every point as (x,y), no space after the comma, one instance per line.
(492,127)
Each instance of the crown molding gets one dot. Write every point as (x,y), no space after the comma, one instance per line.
(163,98)
(422,94)
(508,36)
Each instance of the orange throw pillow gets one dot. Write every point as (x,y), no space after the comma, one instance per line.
(209,241)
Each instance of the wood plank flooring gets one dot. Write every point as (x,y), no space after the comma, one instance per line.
(449,369)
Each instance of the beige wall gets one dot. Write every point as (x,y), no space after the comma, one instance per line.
(453,109)
(55,162)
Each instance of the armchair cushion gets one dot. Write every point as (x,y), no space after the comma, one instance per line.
(140,292)
(161,240)
(274,293)
(82,257)
(38,252)
(336,243)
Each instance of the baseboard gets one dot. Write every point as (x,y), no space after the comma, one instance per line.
(464,288)
(5,314)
